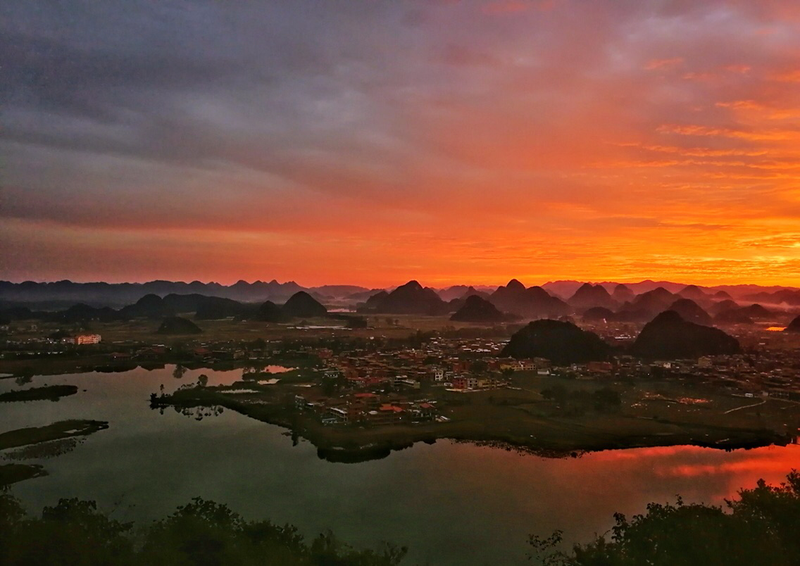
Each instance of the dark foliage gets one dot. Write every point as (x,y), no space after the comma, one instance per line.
(202,533)
(759,528)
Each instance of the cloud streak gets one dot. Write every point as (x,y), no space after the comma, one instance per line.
(449,141)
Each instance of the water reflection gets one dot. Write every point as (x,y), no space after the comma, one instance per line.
(452,503)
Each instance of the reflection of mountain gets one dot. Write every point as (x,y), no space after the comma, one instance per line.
(670,337)
(562,343)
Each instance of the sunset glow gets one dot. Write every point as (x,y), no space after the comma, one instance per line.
(372,143)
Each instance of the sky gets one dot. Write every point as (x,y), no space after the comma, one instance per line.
(373,142)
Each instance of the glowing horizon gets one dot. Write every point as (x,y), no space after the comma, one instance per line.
(448,142)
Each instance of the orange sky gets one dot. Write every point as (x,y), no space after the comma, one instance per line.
(450,142)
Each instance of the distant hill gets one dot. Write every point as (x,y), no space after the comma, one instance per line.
(623,293)
(478,309)
(723,306)
(303,305)
(647,305)
(121,294)
(794,326)
(338,291)
(589,295)
(411,298)
(456,304)
(733,316)
(177,325)
(693,292)
(454,292)
(691,311)
(269,312)
(596,314)
(374,300)
(669,337)
(785,296)
(757,312)
(562,343)
(533,302)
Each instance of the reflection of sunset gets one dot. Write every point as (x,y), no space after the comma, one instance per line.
(483,141)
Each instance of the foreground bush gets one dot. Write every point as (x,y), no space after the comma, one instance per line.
(202,533)
(761,527)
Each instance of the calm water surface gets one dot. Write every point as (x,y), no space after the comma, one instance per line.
(450,503)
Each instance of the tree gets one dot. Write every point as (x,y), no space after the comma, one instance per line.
(759,528)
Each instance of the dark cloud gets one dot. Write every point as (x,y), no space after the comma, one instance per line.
(273,116)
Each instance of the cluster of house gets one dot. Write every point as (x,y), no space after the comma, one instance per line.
(87,339)
(369,408)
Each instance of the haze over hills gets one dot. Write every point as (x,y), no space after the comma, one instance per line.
(633,302)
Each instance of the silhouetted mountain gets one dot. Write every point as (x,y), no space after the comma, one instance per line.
(270,312)
(374,300)
(647,305)
(456,304)
(84,313)
(794,326)
(629,313)
(589,295)
(623,293)
(119,294)
(670,337)
(533,302)
(732,316)
(338,291)
(723,306)
(18,313)
(757,312)
(562,289)
(721,296)
(215,308)
(473,292)
(562,343)
(692,292)
(178,325)
(691,311)
(364,295)
(477,309)
(784,296)
(597,314)
(303,305)
(149,306)
(411,298)
(454,292)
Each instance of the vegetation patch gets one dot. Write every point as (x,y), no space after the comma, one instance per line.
(49,393)
(55,431)
(13,473)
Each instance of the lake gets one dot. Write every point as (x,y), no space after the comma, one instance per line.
(451,503)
